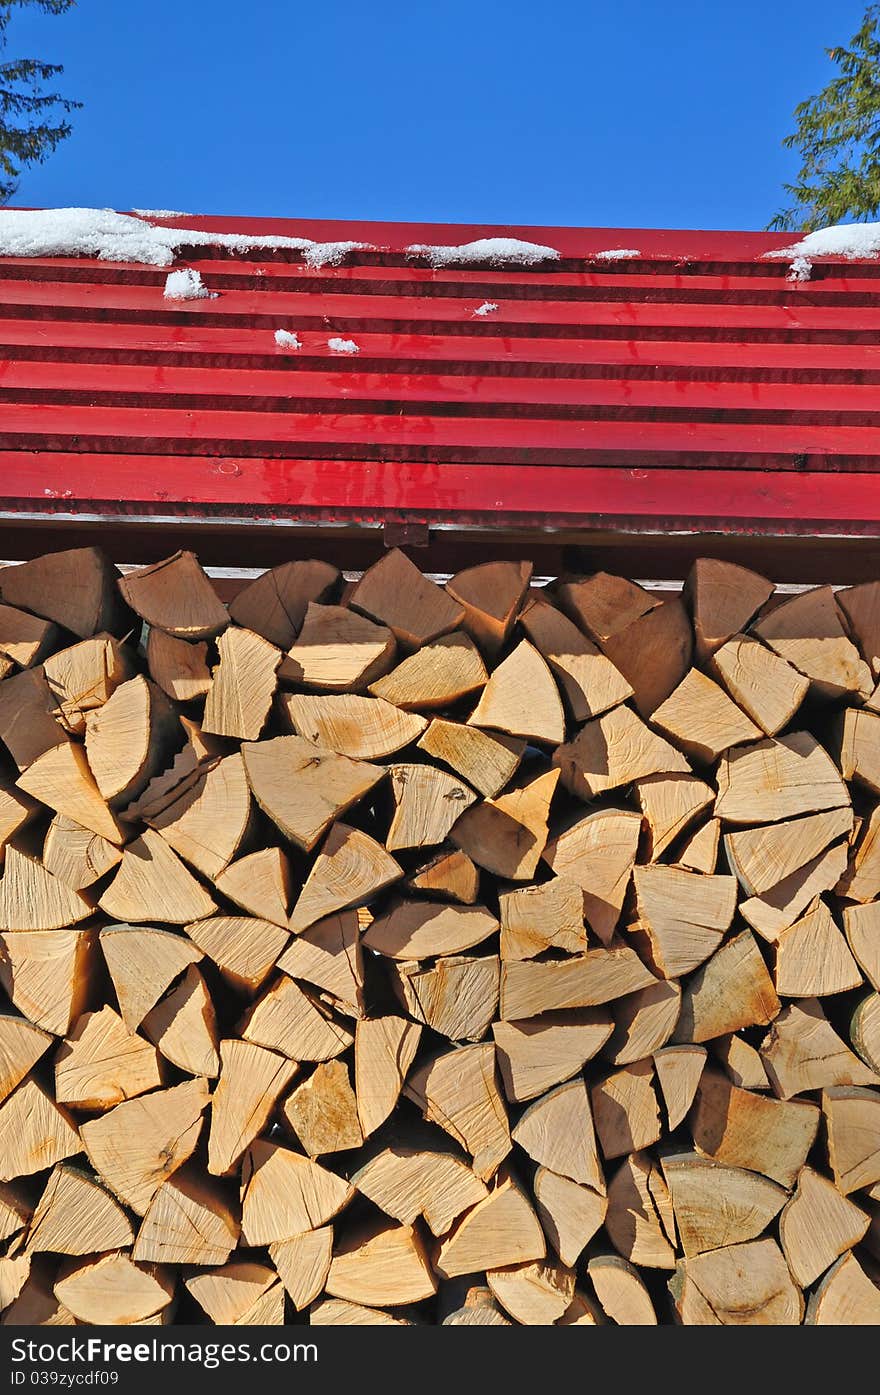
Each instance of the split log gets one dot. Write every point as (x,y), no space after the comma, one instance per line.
(621,1291)
(27,726)
(337,651)
(507,835)
(75,855)
(303,787)
(25,639)
(252,1080)
(381,1264)
(323,1113)
(458,1091)
(861,880)
(284,1193)
(602,604)
(846,1297)
(49,975)
(640,1222)
(536,1294)
(803,1052)
(62,780)
(76,589)
(21,1046)
(31,898)
(852,1125)
(547,916)
(643,1023)
(228,1292)
(584,980)
(275,605)
(329,956)
(806,630)
(485,760)
(536,1053)
(859,760)
(722,598)
(598,853)
(188,1221)
(450,874)
(364,728)
(176,596)
(864,1030)
(669,805)
(178,667)
(583,1311)
(384,1050)
(774,779)
(138,1145)
(416,929)
(625,1110)
(731,991)
(350,869)
(84,676)
(245,950)
(286,1019)
(184,1026)
(16,810)
(780,907)
(111,1289)
(557,1132)
(614,750)
(36,1133)
(717,1206)
(303,1263)
(767,688)
(501,1230)
(128,740)
(407,1183)
(741,1129)
(862,927)
(102,1062)
(763,857)
(243,685)
(427,802)
(334,1312)
(260,884)
(521,698)
(813,959)
(440,674)
(682,916)
(700,851)
(679,1069)
(742,1062)
(742,1285)
(457,997)
(590,683)
(817,1226)
(653,653)
(77,1216)
(143,963)
(394,592)
(702,720)
(570,1213)
(492,595)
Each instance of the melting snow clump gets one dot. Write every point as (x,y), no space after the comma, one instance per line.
(486,308)
(343,346)
(800,269)
(492,251)
(332,253)
(285,340)
(162,213)
(617,254)
(850,240)
(186,285)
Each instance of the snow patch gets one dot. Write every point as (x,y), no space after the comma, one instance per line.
(162,213)
(332,253)
(617,254)
(801,269)
(186,284)
(850,240)
(285,340)
(492,251)
(486,308)
(343,346)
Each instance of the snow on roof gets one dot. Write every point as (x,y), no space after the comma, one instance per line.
(285,340)
(801,269)
(617,254)
(850,240)
(185,284)
(343,346)
(494,251)
(332,253)
(119,237)
(486,308)
(162,213)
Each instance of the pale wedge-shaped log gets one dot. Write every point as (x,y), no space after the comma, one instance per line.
(860,606)
(21,1046)
(583,1311)
(335,1312)
(458,1090)
(284,1193)
(128,739)
(598,852)
(61,779)
(702,720)
(639,1221)
(621,1291)
(546,916)
(760,682)
(817,1226)
(176,596)
(763,857)
(535,1294)
(679,1069)
(381,1264)
(337,650)
(33,899)
(350,869)
(143,963)
(683,916)
(462,1303)
(16,810)
(36,1133)
(859,759)
(364,728)
(774,779)
(442,673)
(84,676)
(603,604)
(252,1080)
(497,1232)
(451,874)
(539,1052)
(486,760)
(739,1286)
(303,1263)
(77,1216)
(243,685)
(653,653)
(268,1311)
(407,1183)
(394,592)
(139,1144)
(508,834)
(329,956)
(557,1132)
(102,1062)
(716,1206)
(36,1305)
(188,1221)
(418,929)
(172,784)
(806,630)
(76,589)
(286,1019)
(852,1124)
(570,1213)
(322,1111)
(643,1022)
(699,852)
(208,823)
(260,884)
(781,906)
(521,698)
(625,1110)
(14,1272)
(184,1026)
(491,595)
(245,950)
(179,668)
(731,991)
(111,1289)
(427,802)
(861,880)
(229,1292)
(813,959)
(864,1030)
(615,750)
(802,1052)
(669,804)
(275,605)
(27,726)
(742,1062)
(846,1297)
(740,1129)
(303,787)
(862,926)
(50,975)
(589,681)
(153,884)
(75,855)
(722,598)
(456,997)
(585,980)
(384,1050)
(25,638)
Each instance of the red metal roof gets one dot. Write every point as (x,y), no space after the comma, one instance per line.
(694,387)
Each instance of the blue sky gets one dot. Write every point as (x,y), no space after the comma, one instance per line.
(642,113)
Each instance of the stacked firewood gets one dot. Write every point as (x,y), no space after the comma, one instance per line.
(391,952)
